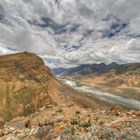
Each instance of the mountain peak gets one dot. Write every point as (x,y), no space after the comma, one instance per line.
(113,63)
(22,57)
(18,55)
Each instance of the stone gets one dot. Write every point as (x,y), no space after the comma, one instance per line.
(40,132)
(10,137)
(12,128)
(58,138)
(1,132)
(58,119)
(33,131)
(64,131)
(21,136)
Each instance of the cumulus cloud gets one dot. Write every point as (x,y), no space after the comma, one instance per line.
(71,32)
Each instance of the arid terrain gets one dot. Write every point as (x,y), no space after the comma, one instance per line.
(69,69)
(34,104)
(126,84)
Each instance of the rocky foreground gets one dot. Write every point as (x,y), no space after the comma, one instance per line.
(74,123)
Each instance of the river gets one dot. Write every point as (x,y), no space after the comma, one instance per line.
(114,99)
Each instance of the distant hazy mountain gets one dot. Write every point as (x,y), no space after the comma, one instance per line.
(85,69)
(59,70)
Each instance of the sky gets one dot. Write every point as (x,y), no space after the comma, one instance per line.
(68,33)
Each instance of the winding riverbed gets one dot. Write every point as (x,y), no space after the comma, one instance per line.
(118,100)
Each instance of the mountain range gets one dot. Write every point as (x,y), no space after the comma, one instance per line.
(112,74)
(85,69)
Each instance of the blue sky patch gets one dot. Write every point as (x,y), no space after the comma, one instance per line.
(114,29)
(49,61)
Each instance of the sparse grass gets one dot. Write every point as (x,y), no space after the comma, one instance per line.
(72,130)
(86,124)
(60,110)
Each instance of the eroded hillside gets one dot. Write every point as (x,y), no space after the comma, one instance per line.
(26,84)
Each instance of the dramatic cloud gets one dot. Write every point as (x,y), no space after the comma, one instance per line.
(72,32)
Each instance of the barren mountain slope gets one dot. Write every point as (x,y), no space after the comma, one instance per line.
(26,84)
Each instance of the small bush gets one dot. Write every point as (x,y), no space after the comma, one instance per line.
(77,112)
(74,122)
(101,122)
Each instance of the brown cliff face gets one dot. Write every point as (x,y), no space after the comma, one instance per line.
(26,84)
